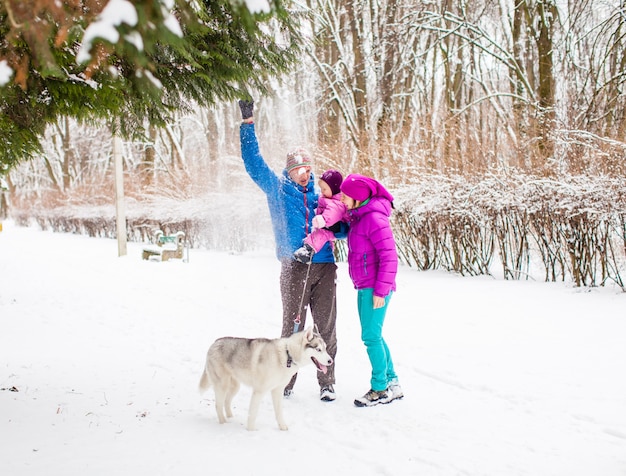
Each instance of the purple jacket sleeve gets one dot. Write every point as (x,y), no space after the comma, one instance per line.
(385,245)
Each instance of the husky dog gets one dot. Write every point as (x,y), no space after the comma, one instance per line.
(266,365)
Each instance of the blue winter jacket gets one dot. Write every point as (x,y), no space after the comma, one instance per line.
(292,207)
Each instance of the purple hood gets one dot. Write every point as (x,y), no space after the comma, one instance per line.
(360,187)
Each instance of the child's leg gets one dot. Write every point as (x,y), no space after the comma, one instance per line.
(318,238)
(391,371)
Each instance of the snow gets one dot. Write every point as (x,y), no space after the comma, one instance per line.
(114,14)
(258,6)
(104,354)
(152,78)
(135,39)
(5,72)
(171,22)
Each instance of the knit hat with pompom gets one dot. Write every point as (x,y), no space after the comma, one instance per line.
(298,157)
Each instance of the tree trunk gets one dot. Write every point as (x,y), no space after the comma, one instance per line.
(355,9)
(68,155)
(146,168)
(547,12)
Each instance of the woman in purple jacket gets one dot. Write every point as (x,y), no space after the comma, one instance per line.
(373,264)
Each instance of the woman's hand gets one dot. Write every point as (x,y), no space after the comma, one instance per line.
(378,302)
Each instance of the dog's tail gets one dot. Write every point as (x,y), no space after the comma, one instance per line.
(205,382)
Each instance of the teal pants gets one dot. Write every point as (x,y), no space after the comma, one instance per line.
(372,336)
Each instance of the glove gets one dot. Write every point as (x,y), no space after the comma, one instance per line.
(246,108)
(318,221)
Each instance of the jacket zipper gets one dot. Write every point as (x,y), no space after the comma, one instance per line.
(306,215)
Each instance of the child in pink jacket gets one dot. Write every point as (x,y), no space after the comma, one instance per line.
(330,210)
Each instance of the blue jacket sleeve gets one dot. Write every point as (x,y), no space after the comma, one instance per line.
(342,234)
(254,163)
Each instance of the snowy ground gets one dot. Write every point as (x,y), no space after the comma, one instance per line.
(100,358)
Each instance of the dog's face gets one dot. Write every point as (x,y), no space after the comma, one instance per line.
(316,349)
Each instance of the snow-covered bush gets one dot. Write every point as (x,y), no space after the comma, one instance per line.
(574,227)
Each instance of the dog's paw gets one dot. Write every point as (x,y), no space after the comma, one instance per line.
(283,427)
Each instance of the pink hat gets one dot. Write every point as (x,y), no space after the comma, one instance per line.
(360,188)
(333,178)
(298,158)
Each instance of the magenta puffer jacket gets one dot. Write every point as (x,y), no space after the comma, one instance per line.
(372,255)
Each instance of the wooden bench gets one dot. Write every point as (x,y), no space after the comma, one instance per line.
(166,247)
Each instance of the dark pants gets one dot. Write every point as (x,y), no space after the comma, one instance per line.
(320,293)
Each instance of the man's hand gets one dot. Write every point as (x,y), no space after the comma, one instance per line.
(247,108)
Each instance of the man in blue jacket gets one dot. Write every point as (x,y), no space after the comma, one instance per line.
(292,200)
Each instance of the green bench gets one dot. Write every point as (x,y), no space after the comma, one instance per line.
(165,247)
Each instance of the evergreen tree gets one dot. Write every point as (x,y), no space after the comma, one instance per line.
(131,62)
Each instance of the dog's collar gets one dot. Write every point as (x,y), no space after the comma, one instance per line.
(289,359)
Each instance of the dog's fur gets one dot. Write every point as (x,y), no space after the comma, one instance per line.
(266,365)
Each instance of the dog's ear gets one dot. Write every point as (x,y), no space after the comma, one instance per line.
(309,334)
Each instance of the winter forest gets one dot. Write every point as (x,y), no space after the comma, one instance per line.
(499,126)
